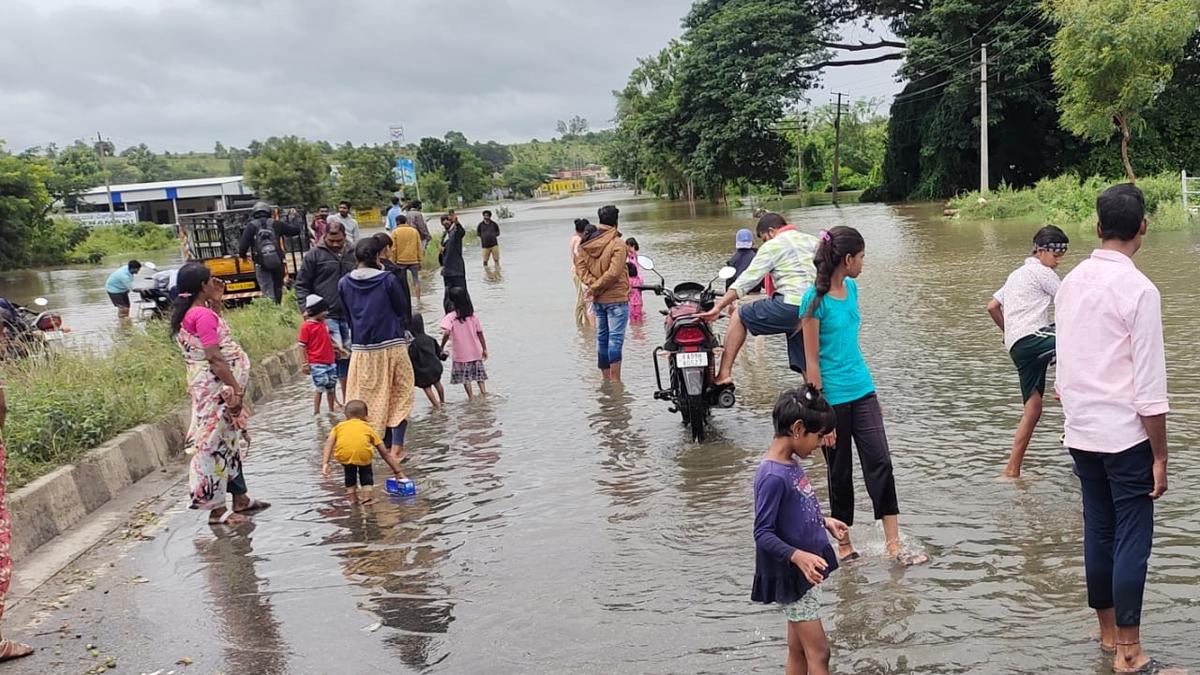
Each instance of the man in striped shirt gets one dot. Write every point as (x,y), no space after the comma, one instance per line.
(787,256)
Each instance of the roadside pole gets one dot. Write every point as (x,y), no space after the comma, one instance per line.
(107,187)
(837,147)
(983,122)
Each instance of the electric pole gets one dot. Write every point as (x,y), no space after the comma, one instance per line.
(983,121)
(837,146)
(112,218)
(801,131)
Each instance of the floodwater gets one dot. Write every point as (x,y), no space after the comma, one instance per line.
(562,526)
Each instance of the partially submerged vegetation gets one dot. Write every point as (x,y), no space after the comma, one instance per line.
(1070,202)
(62,405)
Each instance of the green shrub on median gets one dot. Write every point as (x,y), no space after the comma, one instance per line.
(63,405)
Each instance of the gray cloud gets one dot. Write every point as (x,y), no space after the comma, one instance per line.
(179,74)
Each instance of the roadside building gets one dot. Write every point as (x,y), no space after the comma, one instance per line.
(163,202)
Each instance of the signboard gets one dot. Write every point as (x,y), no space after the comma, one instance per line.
(397,134)
(406,171)
(104,218)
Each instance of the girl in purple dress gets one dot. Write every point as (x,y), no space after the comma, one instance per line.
(793,554)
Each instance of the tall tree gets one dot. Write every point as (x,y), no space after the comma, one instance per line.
(745,63)
(150,167)
(365,178)
(1112,58)
(289,171)
(24,201)
(72,172)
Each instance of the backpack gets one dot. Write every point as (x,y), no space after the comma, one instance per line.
(266,247)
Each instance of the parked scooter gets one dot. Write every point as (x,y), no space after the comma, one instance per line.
(25,329)
(690,348)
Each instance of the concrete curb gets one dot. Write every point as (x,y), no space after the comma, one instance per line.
(50,505)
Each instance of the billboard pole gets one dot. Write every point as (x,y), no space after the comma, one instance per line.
(397,136)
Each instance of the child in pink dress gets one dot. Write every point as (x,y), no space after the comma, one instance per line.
(468,347)
(635,279)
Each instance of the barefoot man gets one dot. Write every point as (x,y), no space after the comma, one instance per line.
(787,256)
(1112,376)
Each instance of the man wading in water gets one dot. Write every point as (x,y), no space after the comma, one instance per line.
(787,256)
(602,270)
(1112,376)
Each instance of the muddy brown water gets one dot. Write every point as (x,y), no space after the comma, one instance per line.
(562,526)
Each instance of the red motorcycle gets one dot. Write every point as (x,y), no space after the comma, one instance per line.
(690,347)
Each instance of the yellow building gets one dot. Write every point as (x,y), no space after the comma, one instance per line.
(561,186)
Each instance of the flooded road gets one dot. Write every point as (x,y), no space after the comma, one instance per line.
(564,527)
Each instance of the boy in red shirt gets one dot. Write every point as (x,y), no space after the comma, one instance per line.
(320,359)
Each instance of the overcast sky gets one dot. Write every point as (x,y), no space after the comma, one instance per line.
(180,74)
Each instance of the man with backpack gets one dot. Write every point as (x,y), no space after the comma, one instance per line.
(262,239)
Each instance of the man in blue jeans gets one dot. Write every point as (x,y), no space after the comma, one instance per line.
(601,269)
(1112,377)
(322,267)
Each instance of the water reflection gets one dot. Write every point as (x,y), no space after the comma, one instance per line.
(242,601)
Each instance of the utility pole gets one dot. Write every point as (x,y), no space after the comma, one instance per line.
(983,121)
(837,146)
(801,129)
(112,217)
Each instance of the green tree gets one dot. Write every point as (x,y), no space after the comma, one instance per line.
(24,201)
(524,178)
(219,151)
(289,171)
(493,155)
(1112,58)
(435,189)
(72,172)
(150,167)
(365,178)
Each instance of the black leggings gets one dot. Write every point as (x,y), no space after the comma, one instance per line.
(862,421)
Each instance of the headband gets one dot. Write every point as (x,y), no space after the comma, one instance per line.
(1054,247)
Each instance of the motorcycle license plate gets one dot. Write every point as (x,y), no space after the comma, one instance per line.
(240,286)
(691,359)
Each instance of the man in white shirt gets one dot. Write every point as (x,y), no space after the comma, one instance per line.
(1112,377)
(1021,308)
(349,224)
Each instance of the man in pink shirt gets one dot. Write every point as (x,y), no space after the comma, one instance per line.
(1112,377)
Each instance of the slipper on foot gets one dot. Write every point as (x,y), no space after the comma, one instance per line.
(10,650)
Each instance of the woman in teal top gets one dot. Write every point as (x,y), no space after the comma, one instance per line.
(836,366)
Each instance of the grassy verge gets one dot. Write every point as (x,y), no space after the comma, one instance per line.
(61,407)
(1070,202)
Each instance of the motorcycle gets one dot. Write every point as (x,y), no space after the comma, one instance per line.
(156,299)
(690,347)
(25,329)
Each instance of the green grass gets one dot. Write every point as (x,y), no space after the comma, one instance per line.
(63,405)
(120,239)
(1070,202)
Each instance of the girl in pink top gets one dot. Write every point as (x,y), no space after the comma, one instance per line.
(468,347)
(636,314)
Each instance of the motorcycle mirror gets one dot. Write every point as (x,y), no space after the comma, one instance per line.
(41,302)
(150,266)
(645,262)
(726,272)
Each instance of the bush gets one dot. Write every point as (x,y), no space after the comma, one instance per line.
(122,239)
(62,405)
(1070,201)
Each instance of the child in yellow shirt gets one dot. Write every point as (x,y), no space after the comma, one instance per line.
(353,444)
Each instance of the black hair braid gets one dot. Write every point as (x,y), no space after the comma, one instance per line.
(835,245)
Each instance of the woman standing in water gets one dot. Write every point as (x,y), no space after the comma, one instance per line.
(636,314)
(9,650)
(378,308)
(837,368)
(218,372)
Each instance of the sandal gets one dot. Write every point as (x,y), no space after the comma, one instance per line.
(1151,667)
(254,505)
(227,516)
(10,651)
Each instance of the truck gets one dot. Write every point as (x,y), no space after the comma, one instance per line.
(212,238)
